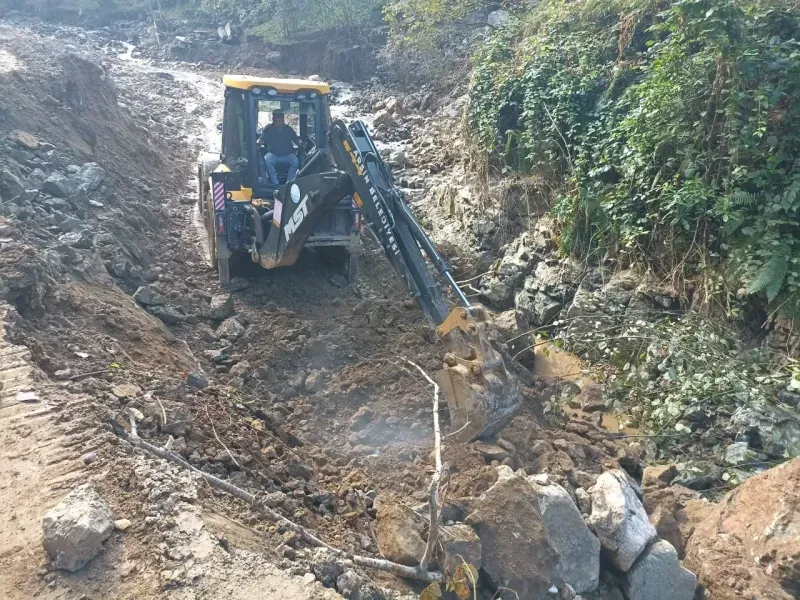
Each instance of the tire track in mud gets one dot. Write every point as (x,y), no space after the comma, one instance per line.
(40,461)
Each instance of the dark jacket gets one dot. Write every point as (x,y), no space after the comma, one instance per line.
(279,140)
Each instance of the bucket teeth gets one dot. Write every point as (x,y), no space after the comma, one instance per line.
(481,394)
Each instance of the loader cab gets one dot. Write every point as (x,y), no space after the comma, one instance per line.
(249,103)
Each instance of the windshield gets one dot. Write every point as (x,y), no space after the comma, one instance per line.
(300,116)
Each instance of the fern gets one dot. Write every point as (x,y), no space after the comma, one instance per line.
(742,198)
(791,193)
(770,277)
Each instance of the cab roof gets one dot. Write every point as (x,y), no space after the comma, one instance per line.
(284,86)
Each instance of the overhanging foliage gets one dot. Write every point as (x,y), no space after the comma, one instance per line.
(676,126)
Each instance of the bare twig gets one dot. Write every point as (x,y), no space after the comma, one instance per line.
(163,412)
(369,525)
(89,374)
(211,422)
(215,482)
(433,488)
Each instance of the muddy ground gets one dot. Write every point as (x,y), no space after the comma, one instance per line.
(298,390)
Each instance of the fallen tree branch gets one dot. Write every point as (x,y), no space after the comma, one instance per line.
(252,500)
(433,488)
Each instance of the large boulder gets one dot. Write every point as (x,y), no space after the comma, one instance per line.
(749,544)
(75,529)
(619,519)
(399,533)
(577,547)
(516,550)
(658,575)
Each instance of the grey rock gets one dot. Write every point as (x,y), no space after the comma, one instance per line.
(584,501)
(119,267)
(230,329)
(383,118)
(524,304)
(739,453)
(619,519)
(497,294)
(556,279)
(196,381)
(545,308)
(81,239)
(90,176)
(349,584)
(498,18)
(75,529)
(578,548)
(326,567)
(11,186)
(52,203)
(70,224)
(517,262)
(658,575)
(148,296)
(397,158)
(221,307)
(59,186)
(36,178)
(775,427)
(166,314)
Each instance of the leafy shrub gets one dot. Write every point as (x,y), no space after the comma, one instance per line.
(286,20)
(425,24)
(675,125)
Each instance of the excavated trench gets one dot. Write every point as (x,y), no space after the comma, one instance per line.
(294,387)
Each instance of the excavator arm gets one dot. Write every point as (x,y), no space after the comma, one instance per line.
(481,394)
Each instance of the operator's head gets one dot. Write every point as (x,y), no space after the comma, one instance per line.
(277,117)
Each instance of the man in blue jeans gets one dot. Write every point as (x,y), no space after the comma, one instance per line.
(280,140)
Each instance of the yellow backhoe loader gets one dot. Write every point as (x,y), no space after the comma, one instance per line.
(318,198)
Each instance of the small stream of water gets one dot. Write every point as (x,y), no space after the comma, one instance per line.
(552,361)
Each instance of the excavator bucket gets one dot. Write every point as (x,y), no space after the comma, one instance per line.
(481,394)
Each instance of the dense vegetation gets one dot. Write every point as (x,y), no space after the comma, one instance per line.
(670,128)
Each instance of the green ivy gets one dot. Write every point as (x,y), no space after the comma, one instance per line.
(674,127)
